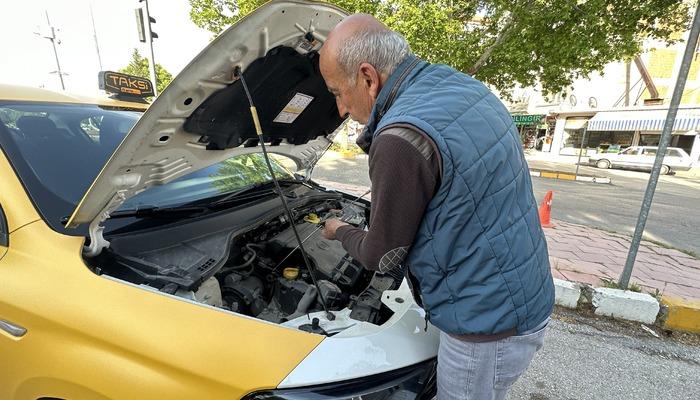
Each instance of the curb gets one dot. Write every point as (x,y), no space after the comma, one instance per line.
(671,313)
(569,176)
(682,315)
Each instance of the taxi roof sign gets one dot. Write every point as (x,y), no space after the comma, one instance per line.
(124,85)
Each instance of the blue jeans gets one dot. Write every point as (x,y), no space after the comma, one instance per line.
(483,371)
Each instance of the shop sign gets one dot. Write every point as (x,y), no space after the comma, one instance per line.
(527,119)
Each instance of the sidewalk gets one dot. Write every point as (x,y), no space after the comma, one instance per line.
(587,255)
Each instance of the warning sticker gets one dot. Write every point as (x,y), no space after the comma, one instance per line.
(291,111)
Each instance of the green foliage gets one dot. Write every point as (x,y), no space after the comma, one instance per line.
(139,67)
(505,42)
(244,170)
(609,283)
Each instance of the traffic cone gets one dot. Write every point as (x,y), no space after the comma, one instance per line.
(546,210)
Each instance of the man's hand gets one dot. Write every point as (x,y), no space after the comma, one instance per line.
(330,226)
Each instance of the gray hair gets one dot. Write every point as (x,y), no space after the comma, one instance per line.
(383,49)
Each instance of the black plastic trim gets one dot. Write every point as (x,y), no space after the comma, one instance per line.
(4,230)
(424,373)
(223,119)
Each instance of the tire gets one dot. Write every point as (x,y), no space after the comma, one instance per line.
(665,170)
(603,164)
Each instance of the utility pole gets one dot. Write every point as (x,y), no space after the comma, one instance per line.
(94,35)
(149,36)
(51,35)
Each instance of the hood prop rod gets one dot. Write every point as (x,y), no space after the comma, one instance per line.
(258,129)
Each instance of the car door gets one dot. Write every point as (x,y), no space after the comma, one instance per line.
(626,158)
(647,157)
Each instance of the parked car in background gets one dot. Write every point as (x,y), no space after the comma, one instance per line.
(642,158)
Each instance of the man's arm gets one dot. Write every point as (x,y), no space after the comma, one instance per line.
(405,172)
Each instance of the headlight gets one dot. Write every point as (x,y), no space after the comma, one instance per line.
(414,382)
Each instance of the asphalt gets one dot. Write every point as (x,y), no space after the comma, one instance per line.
(674,218)
(590,358)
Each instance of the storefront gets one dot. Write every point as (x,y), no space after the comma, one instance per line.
(612,130)
(531,127)
(644,128)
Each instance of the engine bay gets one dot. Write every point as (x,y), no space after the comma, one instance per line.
(257,269)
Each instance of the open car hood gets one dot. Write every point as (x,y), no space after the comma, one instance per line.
(203,116)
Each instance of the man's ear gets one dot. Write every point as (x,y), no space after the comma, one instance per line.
(369,77)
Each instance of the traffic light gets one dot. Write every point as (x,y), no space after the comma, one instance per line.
(141,28)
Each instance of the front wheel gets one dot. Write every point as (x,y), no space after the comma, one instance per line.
(665,170)
(603,164)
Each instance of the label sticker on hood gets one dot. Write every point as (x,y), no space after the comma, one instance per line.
(291,111)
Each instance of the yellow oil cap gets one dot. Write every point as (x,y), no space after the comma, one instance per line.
(290,273)
(312,218)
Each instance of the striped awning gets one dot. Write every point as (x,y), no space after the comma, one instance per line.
(643,120)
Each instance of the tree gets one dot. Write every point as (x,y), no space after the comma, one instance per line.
(506,42)
(139,66)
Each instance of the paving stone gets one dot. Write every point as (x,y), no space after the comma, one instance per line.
(581,278)
(585,255)
(558,275)
(596,258)
(593,249)
(688,262)
(553,262)
(668,252)
(682,291)
(562,254)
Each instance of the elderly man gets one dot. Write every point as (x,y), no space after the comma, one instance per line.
(452,202)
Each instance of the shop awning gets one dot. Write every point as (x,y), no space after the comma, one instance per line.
(643,120)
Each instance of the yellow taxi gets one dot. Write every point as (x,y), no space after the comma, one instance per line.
(145,252)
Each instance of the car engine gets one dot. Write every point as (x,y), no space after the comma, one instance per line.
(259,272)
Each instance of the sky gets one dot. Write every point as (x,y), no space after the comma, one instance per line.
(28,59)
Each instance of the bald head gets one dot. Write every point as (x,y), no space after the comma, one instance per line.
(362,38)
(357,57)
(349,28)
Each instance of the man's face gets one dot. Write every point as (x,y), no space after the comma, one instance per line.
(355,99)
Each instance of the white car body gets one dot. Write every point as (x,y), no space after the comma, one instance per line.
(642,158)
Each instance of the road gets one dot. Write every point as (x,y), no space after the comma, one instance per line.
(674,218)
(592,358)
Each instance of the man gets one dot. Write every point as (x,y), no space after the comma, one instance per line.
(451,200)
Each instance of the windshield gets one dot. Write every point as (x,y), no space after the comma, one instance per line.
(58,150)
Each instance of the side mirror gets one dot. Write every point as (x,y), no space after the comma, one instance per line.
(4,231)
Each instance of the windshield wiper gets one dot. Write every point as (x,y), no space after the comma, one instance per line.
(257,189)
(157,212)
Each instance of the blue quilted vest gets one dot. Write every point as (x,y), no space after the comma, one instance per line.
(480,255)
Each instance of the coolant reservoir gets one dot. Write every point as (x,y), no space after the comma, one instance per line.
(290,273)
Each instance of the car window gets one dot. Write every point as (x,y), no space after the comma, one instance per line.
(227,176)
(629,151)
(673,153)
(649,152)
(58,150)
